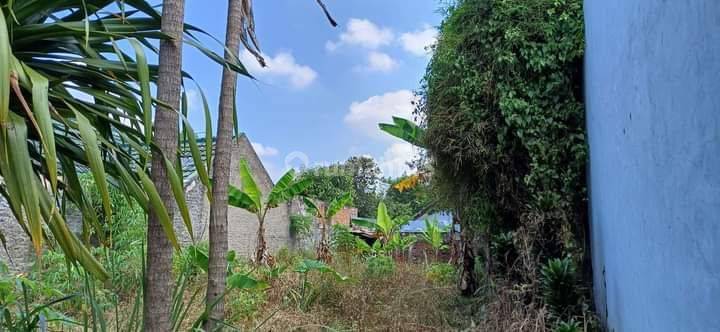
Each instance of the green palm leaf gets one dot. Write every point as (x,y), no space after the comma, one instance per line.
(286,188)
(92,150)
(249,186)
(337,204)
(90,109)
(405,130)
(240,199)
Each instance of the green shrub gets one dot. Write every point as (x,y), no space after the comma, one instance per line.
(243,305)
(379,267)
(23,301)
(304,296)
(560,287)
(193,260)
(300,226)
(441,273)
(286,257)
(505,122)
(343,241)
(569,326)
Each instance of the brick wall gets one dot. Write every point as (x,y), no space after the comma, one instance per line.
(242,225)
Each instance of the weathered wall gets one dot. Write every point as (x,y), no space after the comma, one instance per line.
(20,255)
(653,103)
(242,225)
(199,207)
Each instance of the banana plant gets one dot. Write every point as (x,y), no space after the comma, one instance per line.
(250,198)
(433,235)
(387,231)
(405,130)
(325,214)
(410,132)
(75,94)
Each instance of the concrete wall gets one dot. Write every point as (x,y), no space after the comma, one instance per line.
(242,225)
(20,255)
(653,102)
(199,207)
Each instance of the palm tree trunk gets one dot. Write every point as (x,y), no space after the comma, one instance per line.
(158,276)
(221,170)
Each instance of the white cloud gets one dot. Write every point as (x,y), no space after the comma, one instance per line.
(394,160)
(378,61)
(282,65)
(417,42)
(364,116)
(264,151)
(331,45)
(364,33)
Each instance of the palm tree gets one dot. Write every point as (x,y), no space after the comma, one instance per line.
(250,198)
(165,136)
(325,213)
(72,98)
(240,27)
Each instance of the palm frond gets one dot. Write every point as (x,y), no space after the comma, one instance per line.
(77,90)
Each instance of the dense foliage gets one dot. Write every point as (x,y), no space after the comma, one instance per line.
(504,118)
(327,182)
(361,176)
(365,173)
(409,202)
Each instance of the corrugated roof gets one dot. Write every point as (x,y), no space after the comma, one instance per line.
(444,219)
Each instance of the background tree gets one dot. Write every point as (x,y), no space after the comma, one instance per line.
(411,201)
(158,279)
(250,198)
(365,174)
(328,182)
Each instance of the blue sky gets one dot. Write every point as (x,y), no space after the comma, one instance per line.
(325,88)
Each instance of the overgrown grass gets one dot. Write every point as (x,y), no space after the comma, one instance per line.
(402,299)
(408,297)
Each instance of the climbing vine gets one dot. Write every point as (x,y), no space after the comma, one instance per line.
(504,115)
